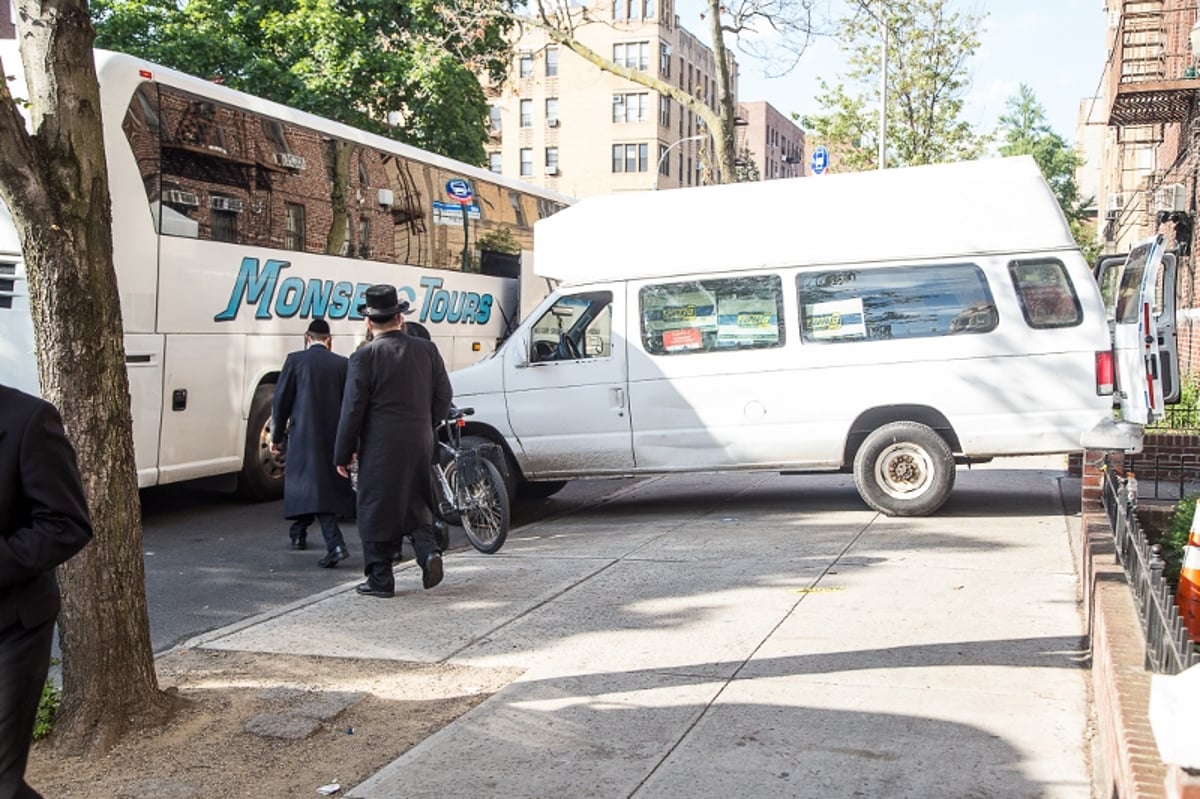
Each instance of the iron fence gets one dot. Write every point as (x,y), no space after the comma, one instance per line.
(1168,647)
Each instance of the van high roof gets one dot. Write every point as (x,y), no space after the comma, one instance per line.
(965,208)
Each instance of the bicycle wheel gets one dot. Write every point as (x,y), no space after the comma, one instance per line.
(483,507)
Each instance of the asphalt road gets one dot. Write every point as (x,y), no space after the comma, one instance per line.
(213,559)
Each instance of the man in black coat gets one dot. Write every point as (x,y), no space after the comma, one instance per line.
(43,522)
(308,398)
(396,386)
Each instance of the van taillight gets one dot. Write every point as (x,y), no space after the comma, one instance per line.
(1104,373)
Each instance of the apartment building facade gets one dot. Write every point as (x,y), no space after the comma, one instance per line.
(561,122)
(1150,155)
(770,140)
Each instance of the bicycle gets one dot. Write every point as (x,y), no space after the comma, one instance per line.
(468,487)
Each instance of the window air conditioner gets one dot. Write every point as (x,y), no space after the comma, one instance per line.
(552,170)
(1171,197)
(181,197)
(290,161)
(386,198)
(225,204)
(552,123)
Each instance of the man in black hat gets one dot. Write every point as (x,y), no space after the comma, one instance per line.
(308,398)
(396,387)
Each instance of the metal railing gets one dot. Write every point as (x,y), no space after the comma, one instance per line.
(1168,648)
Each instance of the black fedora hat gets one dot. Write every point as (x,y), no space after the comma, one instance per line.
(381,301)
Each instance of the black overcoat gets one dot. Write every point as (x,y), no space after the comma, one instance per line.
(396,388)
(308,398)
(43,512)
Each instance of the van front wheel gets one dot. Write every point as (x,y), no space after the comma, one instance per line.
(904,469)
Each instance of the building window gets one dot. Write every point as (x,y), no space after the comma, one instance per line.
(664,111)
(364,237)
(551,160)
(631,157)
(224,226)
(494,116)
(526,161)
(620,9)
(647,9)
(664,59)
(552,111)
(526,113)
(630,107)
(293,226)
(632,55)
(495,160)
(664,163)
(551,62)
(525,65)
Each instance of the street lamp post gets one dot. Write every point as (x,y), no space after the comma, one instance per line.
(666,152)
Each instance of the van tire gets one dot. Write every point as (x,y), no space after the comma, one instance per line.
(261,477)
(904,469)
(540,489)
(495,453)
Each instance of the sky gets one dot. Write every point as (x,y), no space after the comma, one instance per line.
(1056,47)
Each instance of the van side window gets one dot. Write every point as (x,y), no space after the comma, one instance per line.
(576,327)
(711,315)
(1046,293)
(894,303)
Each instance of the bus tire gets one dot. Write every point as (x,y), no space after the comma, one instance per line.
(540,489)
(261,477)
(495,453)
(904,469)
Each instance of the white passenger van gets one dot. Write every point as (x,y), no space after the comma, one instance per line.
(893,324)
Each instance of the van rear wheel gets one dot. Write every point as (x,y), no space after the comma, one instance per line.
(904,469)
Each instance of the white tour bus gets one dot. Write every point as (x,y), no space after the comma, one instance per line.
(237,220)
(890,324)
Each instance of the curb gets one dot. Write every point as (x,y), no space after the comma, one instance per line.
(1126,763)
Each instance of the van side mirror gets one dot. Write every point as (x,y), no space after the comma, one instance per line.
(520,351)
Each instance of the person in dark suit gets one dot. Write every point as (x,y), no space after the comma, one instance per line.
(308,398)
(396,386)
(43,522)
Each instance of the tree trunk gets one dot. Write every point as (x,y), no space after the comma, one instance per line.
(55,184)
(723,132)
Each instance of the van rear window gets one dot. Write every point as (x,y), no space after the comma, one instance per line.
(1046,293)
(894,303)
(712,315)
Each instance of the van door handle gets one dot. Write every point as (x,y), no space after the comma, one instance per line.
(618,400)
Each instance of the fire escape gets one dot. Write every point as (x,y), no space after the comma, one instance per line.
(1152,84)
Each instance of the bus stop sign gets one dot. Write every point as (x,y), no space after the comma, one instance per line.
(820,160)
(459,189)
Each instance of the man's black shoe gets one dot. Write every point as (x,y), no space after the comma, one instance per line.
(333,557)
(365,589)
(299,543)
(431,571)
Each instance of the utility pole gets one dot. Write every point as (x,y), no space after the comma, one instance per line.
(883,88)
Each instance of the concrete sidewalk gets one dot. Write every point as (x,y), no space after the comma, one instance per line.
(746,635)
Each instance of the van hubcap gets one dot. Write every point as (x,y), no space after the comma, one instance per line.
(904,471)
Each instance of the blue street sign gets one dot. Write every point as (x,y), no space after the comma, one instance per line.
(820,160)
(459,189)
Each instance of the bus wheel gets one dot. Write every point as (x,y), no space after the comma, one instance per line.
(261,478)
(904,469)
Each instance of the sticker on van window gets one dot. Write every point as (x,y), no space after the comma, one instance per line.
(837,319)
(684,338)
